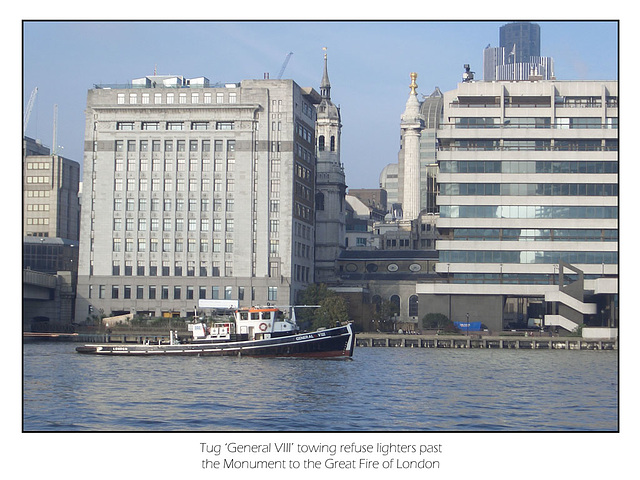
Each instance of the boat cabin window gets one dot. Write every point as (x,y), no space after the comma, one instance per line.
(244,315)
(255,316)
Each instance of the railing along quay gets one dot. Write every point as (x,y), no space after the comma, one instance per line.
(481,341)
(102,337)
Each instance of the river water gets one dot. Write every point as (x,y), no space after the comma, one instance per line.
(380,389)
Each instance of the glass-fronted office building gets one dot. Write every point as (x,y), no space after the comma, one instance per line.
(528,201)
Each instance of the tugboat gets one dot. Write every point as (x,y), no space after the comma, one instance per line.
(255,331)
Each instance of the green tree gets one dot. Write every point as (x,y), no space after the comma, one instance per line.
(332,307)
(333,311)
(384,316)
(438,321)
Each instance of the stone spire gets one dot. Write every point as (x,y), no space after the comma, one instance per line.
(325,85)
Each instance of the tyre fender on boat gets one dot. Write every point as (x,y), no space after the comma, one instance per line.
(263,327)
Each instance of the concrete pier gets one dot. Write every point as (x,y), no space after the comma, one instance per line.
(482,341)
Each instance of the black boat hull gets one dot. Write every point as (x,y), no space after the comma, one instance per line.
(333,342)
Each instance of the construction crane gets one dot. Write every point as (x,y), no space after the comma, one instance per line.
(284,65)
(27,113)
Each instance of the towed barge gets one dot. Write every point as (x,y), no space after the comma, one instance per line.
(256,331)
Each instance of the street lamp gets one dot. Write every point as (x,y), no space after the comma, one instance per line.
(468,324)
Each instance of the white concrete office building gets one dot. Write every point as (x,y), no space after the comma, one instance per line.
(528,205)
(192,192)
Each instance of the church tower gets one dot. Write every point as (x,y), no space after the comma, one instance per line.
(330,186)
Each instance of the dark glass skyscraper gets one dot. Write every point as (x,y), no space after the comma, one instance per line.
(526,38)
(518,56)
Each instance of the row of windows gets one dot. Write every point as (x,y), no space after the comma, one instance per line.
(181,184)
(527,234)
(191,245)
(192,164)
(39,179)
(510,278)
(180,145)
(464,166)
(531,189)
(505,256)
(535,122)
(304,133)
(191,204)
(38,165)
(303,212)
(535,101)
(38,193)
(170,98)
(37,221)
(178,292)
(568,145)
(526,211)
(205,269)
(38,208)
(191,224)
(174,125)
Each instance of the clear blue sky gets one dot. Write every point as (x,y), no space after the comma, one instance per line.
(369,66)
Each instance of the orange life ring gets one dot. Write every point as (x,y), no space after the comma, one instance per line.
(263,327)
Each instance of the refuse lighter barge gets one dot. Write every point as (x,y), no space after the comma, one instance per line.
(255,331)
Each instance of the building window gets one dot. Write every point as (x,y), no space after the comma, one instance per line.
(395,299)
(199,125)
(272,294)
(124,126)
(413,306)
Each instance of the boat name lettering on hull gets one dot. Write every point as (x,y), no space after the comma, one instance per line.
(310,335)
